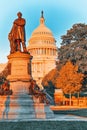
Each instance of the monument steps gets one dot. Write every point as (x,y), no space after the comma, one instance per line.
(42,110)
(23,107)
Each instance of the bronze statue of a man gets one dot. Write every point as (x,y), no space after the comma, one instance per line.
(17,34)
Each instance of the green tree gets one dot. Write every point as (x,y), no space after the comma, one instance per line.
(74,48)
(78,32)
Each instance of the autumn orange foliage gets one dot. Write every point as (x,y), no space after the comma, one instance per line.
(69,80)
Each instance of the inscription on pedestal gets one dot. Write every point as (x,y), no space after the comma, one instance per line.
(19,68)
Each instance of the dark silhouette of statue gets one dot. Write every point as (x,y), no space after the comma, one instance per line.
(17,34)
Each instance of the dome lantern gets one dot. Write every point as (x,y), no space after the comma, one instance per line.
(42,20)
(42,14)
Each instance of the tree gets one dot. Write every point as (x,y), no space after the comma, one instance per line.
(78,32)
(75,49)
(69,80)
(50,77)
(48,81)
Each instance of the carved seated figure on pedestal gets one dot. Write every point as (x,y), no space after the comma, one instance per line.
(5,88)
(35,91)
(17,35)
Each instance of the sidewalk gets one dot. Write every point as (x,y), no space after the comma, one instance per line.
(67,107)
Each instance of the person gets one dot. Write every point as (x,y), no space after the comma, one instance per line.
(17,34)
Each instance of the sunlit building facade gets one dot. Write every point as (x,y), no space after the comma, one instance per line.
(2,66)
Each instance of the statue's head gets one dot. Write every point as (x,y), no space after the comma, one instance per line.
(19,14)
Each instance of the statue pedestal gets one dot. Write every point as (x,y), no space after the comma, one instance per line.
(19,72)
(20,106)
(42,111)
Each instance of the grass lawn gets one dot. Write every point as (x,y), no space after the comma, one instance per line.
(49,125)
(44,125)
(77,112)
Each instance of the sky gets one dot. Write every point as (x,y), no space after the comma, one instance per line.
(59,16)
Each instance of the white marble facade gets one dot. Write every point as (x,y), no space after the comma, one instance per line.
(42,46)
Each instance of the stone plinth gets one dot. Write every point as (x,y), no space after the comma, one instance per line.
(17,107)
(19,72)
(42,110)
(21,105)
(19,66)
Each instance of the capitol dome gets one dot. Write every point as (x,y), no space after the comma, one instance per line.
(42,30)
(42,46)
(42,34)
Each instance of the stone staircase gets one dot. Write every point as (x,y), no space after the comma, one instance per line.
(23,107)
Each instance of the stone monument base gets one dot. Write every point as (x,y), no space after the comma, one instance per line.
(20,105)
(19,66)
(19,87)
(23,107)
(17,107)
(42,110)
